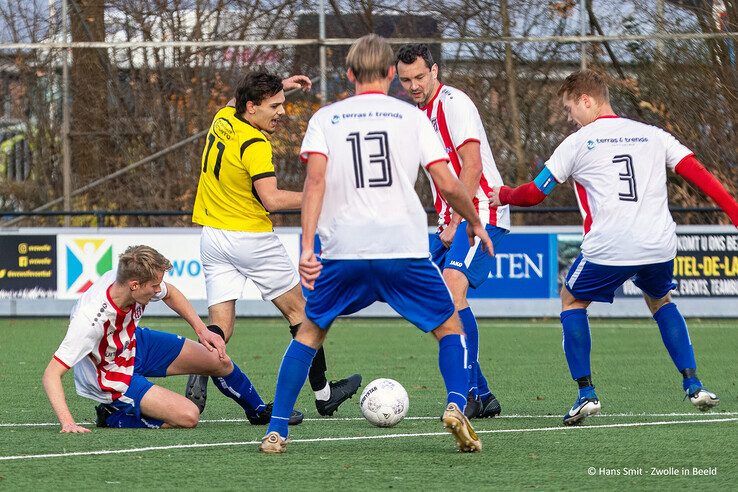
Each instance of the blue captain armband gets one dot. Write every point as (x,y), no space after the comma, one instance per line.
(545,181)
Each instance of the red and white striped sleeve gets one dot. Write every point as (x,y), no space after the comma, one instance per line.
(431,150)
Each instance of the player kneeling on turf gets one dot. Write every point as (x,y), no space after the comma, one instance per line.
(112,356)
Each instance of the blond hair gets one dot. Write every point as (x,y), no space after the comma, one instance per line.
(590,82)
(370,58)
(142,263)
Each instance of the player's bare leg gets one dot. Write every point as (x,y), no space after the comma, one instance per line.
(174,409)
(328,395)
(195,358)
(311,335)
(675,336)
(568,301)
(453,418)
(458,284)
(292,305)
(223,315)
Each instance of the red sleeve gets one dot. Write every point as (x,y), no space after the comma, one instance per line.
(61,362)
(525,195)
(695,173)
(468,140)
(304,155)
(437,161)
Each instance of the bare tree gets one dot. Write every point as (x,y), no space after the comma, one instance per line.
(129,103)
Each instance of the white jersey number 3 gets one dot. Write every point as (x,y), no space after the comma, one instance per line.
(628,176)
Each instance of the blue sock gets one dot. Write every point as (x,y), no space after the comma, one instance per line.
(587,392)
(121,420)
(451,358)
(691,383)
(472,348)
(292,375)
(577,342)
(674,333)
(238,388)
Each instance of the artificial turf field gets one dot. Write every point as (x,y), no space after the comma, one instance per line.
(645,423)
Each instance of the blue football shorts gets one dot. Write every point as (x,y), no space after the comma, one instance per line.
(472,261)
(589,281)
(155,352)
(413,287)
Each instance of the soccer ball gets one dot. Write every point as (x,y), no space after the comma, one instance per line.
(384,402)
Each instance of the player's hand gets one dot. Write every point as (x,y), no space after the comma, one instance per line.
(447,234)
(494,197)
(480,232)
(297,82)
(73,428)
(213,341)
(309,269)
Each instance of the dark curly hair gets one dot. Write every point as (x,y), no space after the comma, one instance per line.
(408,53)
(255,87)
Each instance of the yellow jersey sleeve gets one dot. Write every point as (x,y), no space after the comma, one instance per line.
(257,159)
(234,154)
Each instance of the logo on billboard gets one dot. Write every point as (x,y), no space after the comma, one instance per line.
(87,260)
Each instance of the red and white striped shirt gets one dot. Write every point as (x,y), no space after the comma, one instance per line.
(101,342)
(457,122)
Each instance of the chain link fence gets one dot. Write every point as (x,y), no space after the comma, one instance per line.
(120,92)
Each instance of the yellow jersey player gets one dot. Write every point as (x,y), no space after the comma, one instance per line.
(237,191)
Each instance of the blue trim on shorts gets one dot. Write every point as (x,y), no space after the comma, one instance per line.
(589,281)
(413,287)
(480,265)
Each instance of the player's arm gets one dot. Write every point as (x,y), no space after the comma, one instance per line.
(52,382)
(455,193)
(695,173)
(178,303)
(471,172)
(313,193)
(273,198)
(527,195)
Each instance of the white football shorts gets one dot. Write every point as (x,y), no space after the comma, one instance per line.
(230,257)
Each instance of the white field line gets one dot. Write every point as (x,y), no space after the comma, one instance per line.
(358,438)
(353,419)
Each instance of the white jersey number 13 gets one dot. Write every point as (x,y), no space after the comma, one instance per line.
(379,141)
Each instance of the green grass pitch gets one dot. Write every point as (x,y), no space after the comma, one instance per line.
(647,437)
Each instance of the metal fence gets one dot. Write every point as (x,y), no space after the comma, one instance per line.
(114,97)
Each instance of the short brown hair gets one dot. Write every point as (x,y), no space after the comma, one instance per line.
(142,263)
(370,58)
(255,87)
(590,82)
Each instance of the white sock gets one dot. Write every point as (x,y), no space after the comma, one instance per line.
(323,394)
